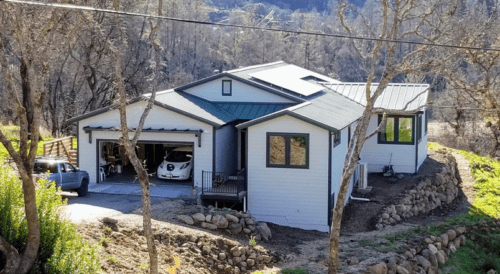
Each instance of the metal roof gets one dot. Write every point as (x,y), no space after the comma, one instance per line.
(248,111)
(326,109)
(394,97)
(194,106)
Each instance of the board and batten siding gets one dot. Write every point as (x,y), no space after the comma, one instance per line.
(157,118)
(288,196)
(379,155)
(422,146)
(241,92)
(226,159)
(338,157)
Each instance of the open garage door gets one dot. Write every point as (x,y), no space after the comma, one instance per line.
(166,162)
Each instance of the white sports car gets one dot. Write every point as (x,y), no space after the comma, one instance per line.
(177,165)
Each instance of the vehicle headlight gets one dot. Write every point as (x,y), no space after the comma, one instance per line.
(185,165)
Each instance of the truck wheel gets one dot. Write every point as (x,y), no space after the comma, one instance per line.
(83,189)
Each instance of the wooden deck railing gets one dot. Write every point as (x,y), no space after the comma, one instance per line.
(221,183)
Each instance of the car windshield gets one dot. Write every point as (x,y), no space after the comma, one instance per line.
(43,167)
(179,156)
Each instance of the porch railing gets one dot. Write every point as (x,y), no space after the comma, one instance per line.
(222,183)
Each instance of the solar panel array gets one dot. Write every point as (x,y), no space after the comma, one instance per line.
(291,77)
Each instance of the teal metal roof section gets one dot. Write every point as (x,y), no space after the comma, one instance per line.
(249,111)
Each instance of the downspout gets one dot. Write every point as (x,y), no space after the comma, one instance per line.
(359,199)
(330,213)
(416,144)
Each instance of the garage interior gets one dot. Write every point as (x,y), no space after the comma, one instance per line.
(117,168)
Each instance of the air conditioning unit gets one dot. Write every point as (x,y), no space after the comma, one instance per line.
(363,175)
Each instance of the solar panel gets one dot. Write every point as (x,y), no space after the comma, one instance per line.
(291,78)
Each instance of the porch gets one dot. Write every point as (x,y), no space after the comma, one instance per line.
(220,186)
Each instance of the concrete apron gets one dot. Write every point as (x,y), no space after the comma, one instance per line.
(164,191)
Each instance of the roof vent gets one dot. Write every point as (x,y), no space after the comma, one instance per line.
(216,71)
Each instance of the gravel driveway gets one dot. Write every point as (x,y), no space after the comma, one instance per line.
(96,206)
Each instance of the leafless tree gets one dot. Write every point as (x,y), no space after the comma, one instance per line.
(397,20)
(27,50)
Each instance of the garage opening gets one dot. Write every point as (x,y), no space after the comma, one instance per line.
(166,162)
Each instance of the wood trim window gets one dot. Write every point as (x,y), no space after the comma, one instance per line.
(399,130)
(287,150)
(227,87)
(337,136)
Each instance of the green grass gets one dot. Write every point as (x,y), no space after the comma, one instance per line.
(297,270)
(478,256)
(111,258)
(12,133)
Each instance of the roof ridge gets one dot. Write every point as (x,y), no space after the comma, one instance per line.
(255,66)
(338,93)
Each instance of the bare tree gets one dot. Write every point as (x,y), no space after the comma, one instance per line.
(130,144)
(399,20)
(27,44)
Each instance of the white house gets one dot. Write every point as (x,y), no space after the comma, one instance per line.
(272,137)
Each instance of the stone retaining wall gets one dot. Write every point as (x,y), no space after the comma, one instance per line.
(230,221)
(430,193)
(425,255)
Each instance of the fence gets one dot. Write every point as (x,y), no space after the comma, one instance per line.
(222,183)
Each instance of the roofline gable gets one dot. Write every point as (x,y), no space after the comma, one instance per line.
(245,81)
(139,99)
(289,113)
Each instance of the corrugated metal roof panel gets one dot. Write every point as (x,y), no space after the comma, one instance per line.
(394,97)
(195,106)
(249,111)
(331,109)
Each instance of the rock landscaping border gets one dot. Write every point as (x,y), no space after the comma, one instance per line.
(230,221)
(430,193)
(425,255)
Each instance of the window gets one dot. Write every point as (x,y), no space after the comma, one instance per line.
(287,150)
(419,128)
(398,130)
(227,88)
(336,137)
(69,167)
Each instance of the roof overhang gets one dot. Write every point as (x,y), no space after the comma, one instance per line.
(139,99)
(197,133)
(245,81)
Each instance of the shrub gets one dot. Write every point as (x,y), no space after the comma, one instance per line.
(61,250)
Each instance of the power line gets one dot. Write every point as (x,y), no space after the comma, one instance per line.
(65,6)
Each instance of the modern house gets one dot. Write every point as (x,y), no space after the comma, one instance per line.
(272,136)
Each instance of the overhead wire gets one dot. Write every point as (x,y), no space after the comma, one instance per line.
(299,32)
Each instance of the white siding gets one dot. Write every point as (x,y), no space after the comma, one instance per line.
(157,118)
(241,92)
(338,157)
(422,146)
(226,149)
(379,155)
(286,196)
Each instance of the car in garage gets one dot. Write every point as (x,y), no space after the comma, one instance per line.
(63,173)
(177,165)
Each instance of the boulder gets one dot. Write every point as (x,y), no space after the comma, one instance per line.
(430,256)
(432,248)
(222,256)
(249,221)
(380,268)
(108,220)
(220,221)
(208,218)
(401,270)
(206,249)
(186,219)
(232,218)
(199,217)
(235,228)
(441,257)
(247,231)
(444,239)
(353,261)
(250,262)
(423,262)
(452,247)
(208,226)
(451,234)
(264,231)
